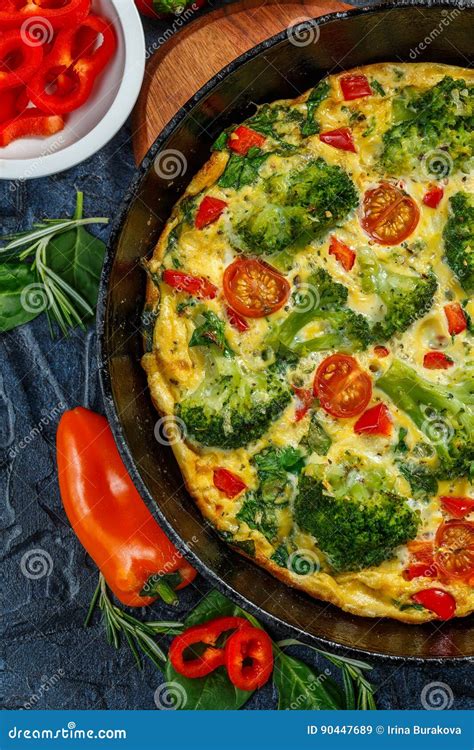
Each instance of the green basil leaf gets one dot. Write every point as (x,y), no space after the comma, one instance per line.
(300,688)
(318,95)
(19,305)
(77,257)
(243,170)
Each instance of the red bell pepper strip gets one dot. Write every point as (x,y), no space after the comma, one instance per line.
(82,69)
(207,634)
(110,518)
(249,658)
(456,318)
(433,196)
(228,483)
(243,139)
(31,123)
(209,211)
(420,570)
(437,361)
(355,87)
(374,421)
(236,320)
(196,286)
(340,138)
(441,602)
(70,13)
(19,61)
(9,104)
(459,507)
(305,401)
(381,351)
(342,252)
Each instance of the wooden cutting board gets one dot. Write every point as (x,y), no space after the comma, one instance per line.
(197,52)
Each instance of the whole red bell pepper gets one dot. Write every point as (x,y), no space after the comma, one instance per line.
(23,59)
(110,518)
(70,13)
(67,59)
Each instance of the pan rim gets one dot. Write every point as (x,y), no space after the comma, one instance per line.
(102,347)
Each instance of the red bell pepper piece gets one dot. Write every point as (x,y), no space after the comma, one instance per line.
(305,400)
(437,361)
(456,318)
(196,286)
(228,483)
(70,13)
(374,421)
(420,570)
(209,211)
(340,138)
(30,123)
(381,351)
(342,253)
(355,87)
(110,518)
(10,103)
(19,61)
(207,634)
(457,506)
(249,658)
(421,550)
(441,602)
(243,139)
(236,320)
(433,196)
(82,70)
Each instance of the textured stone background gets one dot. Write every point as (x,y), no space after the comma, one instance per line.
(44,642)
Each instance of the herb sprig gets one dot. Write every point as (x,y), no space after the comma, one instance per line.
(58,263)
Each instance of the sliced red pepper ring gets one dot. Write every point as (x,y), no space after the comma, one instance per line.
(459,507)
(228,482)
(355,87)
(441,602)
(342,252)
(305,400)
(187,654)
(18,60)
(31,123)
(10,103)
(374,421)
(243,139)
(437,361)
(249,658)
(456,318)
(340,138)
(196,286)
(82,70)
(69,13)
(236,320)
(433,196)
(209,211)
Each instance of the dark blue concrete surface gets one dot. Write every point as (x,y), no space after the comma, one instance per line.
(50,660)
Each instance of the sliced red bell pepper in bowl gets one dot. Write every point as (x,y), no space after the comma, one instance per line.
(19,61)
(70,13)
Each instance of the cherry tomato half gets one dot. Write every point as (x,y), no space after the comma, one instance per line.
(254,289)
(454,554)
(342,387)
(389,215)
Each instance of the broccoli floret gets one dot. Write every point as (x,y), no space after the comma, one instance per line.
(354,533)
(435,136)
(292,210)
(322,300)
(233,406)
(406,297)
(459,239)
(444,413)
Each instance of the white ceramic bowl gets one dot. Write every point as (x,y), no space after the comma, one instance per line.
(89,128)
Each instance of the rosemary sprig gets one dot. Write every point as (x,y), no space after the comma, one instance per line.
(64,304)
(358,691)
(139,635)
